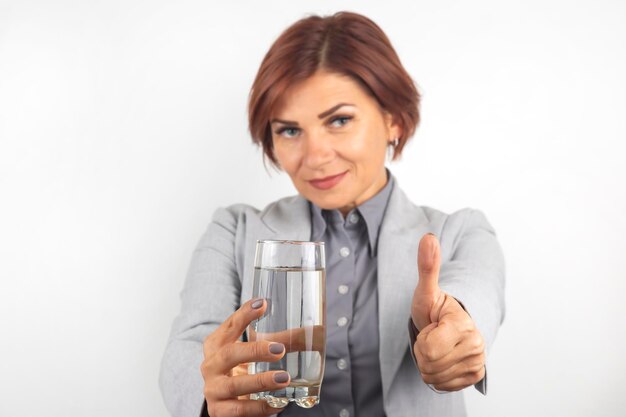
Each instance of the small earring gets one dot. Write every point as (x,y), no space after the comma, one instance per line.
(393,144)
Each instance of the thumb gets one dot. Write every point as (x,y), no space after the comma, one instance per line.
(427,292)
(428,261)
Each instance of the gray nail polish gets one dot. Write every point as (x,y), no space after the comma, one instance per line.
(277,348)
(281,377)
(257,304)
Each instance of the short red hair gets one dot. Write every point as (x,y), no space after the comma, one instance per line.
(345,43)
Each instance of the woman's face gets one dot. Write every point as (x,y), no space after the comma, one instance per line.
(331,137)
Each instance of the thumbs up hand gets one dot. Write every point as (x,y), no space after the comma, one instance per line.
(449,349)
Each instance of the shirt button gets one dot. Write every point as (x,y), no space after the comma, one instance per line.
(342,289)
(342,321)
(344,251)
(342,364)
(344,413)
(354,218)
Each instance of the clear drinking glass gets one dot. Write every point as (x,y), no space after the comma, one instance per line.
(291,277)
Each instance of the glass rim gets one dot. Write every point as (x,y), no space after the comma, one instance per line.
(292,242)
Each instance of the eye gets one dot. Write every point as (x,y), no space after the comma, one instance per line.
(288,132)
(340,121)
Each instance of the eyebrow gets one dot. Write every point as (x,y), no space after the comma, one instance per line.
(332,110)
(319,116)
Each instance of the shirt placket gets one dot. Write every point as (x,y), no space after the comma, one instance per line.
(342,310)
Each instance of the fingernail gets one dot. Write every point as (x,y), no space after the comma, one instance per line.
(276,348)
(257,304)
(433,247)
(281,377)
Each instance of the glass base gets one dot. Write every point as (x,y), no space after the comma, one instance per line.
(305,397)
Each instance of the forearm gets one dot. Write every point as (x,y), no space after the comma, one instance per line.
(210,294)
(180,380)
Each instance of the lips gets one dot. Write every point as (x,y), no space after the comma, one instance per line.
(327,182)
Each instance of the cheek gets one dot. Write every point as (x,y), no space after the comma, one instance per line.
(287,159)
(369,148)
(371,136)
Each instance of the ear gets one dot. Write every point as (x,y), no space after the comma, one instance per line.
(394,128)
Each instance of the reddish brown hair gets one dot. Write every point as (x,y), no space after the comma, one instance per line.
(345,43)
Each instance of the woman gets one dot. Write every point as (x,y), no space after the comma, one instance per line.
(330,99)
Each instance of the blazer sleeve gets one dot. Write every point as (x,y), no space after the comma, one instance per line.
(210,294)
(473,272)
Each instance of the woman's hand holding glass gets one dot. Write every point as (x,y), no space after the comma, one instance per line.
(226,383)
(449,349)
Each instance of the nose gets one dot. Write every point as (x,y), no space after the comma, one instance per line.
(318,151)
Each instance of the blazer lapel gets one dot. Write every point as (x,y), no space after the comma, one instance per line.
(401,230)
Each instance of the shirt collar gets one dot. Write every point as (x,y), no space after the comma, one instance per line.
(372,211)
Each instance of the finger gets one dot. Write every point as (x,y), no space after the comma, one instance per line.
(241,408)
(455,325)
(438,342)
(451,311)
(231,355)
(300,339)
(428,260)
(469,365)
(234,326)
(425,331)
(461,382)
(471,346)
(241,369)
(230,387)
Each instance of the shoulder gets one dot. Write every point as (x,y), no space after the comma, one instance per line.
(467,234)
(454,222)
(459,220)
(236,215)
(463,225)
(234,228)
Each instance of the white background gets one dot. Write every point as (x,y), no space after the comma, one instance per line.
(123,127)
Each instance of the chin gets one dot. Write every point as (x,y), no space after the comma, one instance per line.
(331,199)
(328,203)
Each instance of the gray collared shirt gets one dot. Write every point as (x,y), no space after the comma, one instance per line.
(352,383)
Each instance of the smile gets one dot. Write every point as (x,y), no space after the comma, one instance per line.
(327,182)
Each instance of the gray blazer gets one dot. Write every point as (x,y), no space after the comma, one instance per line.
(221,272)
